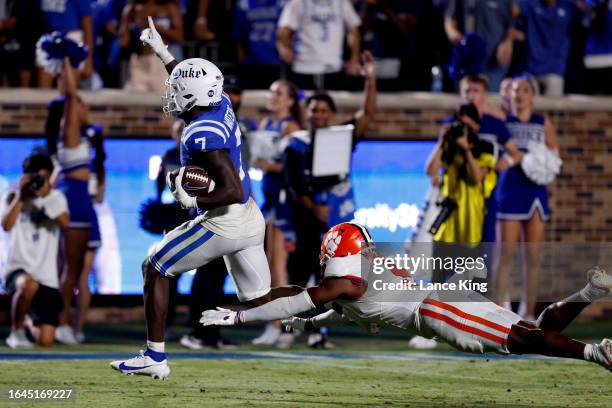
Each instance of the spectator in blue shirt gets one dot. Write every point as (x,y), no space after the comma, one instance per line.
(546,24)
(598,50)
(492,20)
(74,18)
(254,32)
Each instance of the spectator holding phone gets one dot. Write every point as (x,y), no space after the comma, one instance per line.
(34,214)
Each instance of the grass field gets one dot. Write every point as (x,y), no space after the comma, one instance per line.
(361,372)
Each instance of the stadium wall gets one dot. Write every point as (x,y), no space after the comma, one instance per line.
(581,197)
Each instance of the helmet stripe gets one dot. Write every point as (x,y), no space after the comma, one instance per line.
(363,230)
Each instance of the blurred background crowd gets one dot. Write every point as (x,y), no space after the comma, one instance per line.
(418,44)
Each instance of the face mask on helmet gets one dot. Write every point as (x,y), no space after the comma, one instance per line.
(171,104)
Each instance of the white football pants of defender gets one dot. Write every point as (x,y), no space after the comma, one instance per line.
(475,325)
(192,245)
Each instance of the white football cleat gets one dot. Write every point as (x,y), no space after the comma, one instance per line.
(65,335)
(422,343)
(147,362)
(18,340)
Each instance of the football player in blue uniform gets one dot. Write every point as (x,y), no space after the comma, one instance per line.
(229,223)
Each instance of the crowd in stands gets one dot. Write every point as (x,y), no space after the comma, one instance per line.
(565,44)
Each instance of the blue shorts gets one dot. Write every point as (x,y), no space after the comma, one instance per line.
(518,197)
(82,213)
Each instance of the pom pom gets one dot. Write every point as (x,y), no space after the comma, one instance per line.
(540,164)
(52,48)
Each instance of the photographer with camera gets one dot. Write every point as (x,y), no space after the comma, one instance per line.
(34,213)
(468,165)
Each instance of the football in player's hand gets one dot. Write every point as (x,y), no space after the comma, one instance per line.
(196,181)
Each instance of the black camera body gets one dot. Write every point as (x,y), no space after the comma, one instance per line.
(36,182)
(455,131)
(449,141)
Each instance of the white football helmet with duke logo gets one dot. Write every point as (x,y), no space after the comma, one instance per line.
(193,82)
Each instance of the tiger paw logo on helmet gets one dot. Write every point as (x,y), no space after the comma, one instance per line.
(344,239)
(332,243)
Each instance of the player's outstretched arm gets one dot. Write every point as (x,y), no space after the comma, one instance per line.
(327,291)
(151,37)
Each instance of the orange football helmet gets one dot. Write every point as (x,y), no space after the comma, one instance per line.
(345,239)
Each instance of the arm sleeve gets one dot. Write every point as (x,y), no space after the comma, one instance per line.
(350,16)
(290,16)
(279,308)
(329,318)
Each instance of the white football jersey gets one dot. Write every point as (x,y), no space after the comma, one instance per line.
(376,307)
(370,314)
(320,27)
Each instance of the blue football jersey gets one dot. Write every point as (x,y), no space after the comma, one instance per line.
(215,129)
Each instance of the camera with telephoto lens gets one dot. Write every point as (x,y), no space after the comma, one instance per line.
(447,206)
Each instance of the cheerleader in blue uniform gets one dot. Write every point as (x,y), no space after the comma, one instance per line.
(74,157)
(523,204)
(285,117)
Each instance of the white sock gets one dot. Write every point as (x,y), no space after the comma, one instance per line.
(159,347)
(589,352)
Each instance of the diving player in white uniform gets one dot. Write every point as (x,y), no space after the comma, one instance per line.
(230,224)
(473,324)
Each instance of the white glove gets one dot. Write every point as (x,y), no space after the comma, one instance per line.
(151,37)
(176,188)
(295,323)
(220,317)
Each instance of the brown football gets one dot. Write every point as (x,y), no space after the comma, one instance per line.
(196,181)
